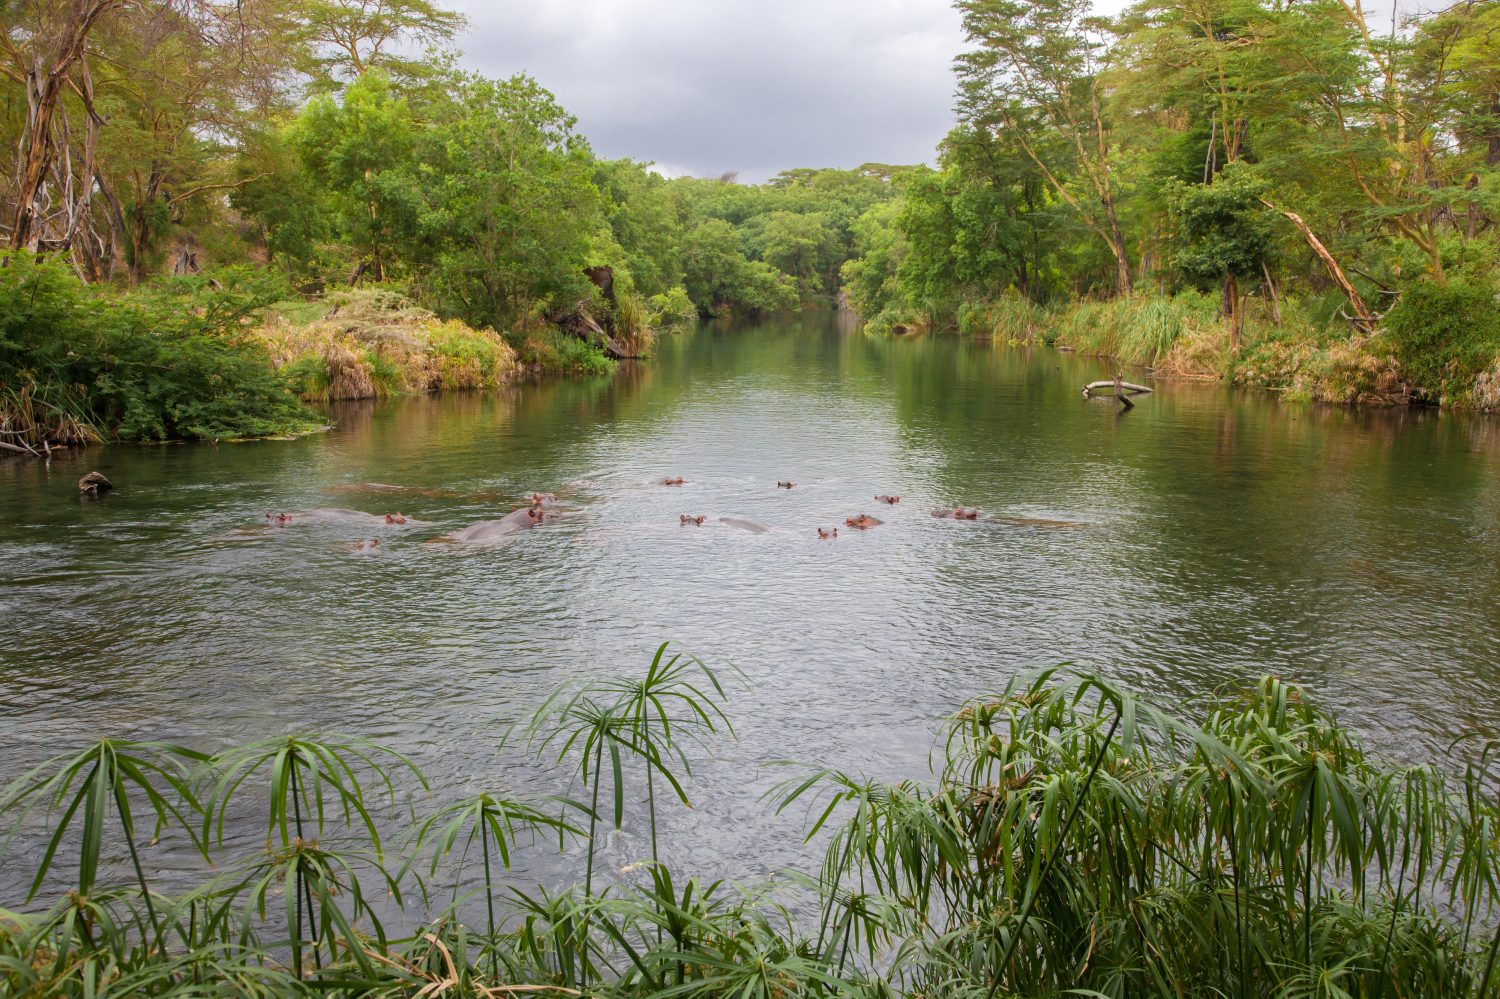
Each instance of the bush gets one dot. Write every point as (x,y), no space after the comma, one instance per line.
(673,311)
(634,330)
(143,368)
(549,351)
(1444,336)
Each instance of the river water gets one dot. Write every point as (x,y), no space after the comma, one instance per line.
(1199,540)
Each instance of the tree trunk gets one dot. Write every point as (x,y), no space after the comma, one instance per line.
(1492,154)
(1232,310)
(44,87)
(1271,291)
(1123,283)
(1362,317)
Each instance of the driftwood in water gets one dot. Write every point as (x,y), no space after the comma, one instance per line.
(1122,388)
(1122,391)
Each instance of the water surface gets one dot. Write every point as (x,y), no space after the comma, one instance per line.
(1202,539)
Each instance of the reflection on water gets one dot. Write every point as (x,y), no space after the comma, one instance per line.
(1200,539)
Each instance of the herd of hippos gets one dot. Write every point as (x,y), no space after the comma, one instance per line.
(543,507)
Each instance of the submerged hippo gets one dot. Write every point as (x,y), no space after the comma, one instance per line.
(333,515)
(863,522)
(754,527)
(490,531)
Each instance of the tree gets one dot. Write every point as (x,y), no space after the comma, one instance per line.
(46,46)
(509,204)
(362,152)
(804,246)
(1224,234)
(1037,73)
(349,38)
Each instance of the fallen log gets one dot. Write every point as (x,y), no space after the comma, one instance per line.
(1123,388)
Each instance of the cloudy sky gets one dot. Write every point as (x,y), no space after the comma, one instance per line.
(706,86)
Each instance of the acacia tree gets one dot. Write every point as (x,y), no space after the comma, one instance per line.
(180,86)
(348,38)
(46,45)
(1037,72)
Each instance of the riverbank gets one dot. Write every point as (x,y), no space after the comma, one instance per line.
(228,358)
(1439,346)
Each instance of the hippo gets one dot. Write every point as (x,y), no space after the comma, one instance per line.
(752,526)
(490,531)
(863,522)
(334,515)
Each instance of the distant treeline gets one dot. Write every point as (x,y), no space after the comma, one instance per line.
(174,137)
(1297,195)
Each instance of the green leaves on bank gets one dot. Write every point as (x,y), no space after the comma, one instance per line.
(1073,839)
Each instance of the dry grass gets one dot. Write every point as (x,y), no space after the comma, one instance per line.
(1486,393)
(373,343)
(1347,372)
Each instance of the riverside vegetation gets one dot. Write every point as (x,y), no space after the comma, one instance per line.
(405,225)
(1075,840)
(1299,197)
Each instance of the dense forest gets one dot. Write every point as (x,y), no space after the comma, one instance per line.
(1300,196)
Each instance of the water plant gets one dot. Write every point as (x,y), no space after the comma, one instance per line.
(1072,839)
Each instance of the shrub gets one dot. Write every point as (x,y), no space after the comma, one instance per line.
(1444,336)
(1011,318)
(634,329)
(673,311)
(548,351)
(144,367)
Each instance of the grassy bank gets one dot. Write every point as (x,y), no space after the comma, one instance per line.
(1438,344)
(231,357)
(1073,839)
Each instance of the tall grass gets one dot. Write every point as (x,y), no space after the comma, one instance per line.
(635,328)
(1140,330)
(1073,839)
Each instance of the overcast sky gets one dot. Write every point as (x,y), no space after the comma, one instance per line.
(705,86)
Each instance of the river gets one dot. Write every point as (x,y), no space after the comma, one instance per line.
(1199,540)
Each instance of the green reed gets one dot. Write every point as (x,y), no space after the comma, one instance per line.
(1072,839)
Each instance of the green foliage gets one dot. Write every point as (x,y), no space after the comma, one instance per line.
(1072,839)
(673,311)
(510,206)
(1223,229)
(554,352)
(360,150)
(1443,337)
(149,367)
(720,279)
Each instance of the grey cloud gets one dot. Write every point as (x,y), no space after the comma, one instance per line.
(705,87)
